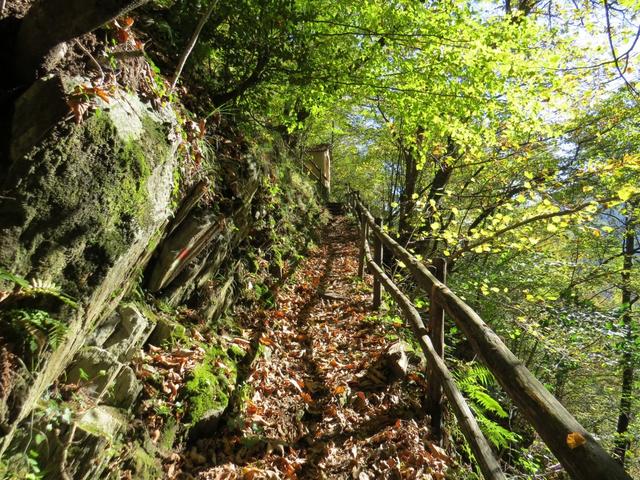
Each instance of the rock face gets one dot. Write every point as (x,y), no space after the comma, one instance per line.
(82,206)
(132,331)
(75,202)
(88,208)
(82,447)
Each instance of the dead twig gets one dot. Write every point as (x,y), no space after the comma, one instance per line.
(191,44)
(93,60)
(63,461)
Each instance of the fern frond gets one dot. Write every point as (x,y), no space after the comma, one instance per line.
(46,286)
(38,327)
(496,434)
(482,375)
(57,330)
(40,286)
(10,277)
(488,403)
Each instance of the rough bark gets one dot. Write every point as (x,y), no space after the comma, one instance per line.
(50,24)
(250,81)
(407,202)
(621,444)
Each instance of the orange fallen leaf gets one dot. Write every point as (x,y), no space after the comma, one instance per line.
(340,389)
(266,341)
(575,439)
(306,397)
(249,473)
(251,408)
(122,35)
(100,93)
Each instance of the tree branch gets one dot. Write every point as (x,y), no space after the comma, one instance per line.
(522,223)
(192,44)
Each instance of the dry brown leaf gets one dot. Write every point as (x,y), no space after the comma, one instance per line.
(78,108)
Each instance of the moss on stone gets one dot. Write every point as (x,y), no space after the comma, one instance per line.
(211,384)
(82,197)
(145,465)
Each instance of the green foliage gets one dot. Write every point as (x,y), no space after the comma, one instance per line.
(21,466)
(39,328)
(12,278)
(37,287)
(474,382)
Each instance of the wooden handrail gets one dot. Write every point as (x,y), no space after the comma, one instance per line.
(480,447)
(552,421)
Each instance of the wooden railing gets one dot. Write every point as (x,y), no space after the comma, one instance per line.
(575,448)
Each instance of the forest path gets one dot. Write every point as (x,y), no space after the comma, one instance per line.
(316,402)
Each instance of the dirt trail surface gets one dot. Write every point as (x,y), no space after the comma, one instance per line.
(318,401)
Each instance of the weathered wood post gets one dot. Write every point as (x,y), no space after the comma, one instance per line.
(357,201)
(377,258)
(436,333)
(364,233)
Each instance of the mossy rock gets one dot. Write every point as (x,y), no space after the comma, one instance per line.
(145,465)
(209,389)
(81,208)
(74,202)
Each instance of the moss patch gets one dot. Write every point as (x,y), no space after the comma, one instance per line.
(211,384)
(81,198)
(145,465)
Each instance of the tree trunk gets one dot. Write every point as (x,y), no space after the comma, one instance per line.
(621,444)
(50,24)
(407,202)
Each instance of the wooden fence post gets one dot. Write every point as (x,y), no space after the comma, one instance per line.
(377,258)
(364,233)
(436,334)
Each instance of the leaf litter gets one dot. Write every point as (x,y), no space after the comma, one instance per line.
(319,402)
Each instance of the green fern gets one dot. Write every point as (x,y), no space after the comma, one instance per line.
(47,287)
(10,277)
(488,403)
(37,287)
(474,381)
(57,330)
(38,328)
(496,434)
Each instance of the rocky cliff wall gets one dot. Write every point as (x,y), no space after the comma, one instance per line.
(110,246)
